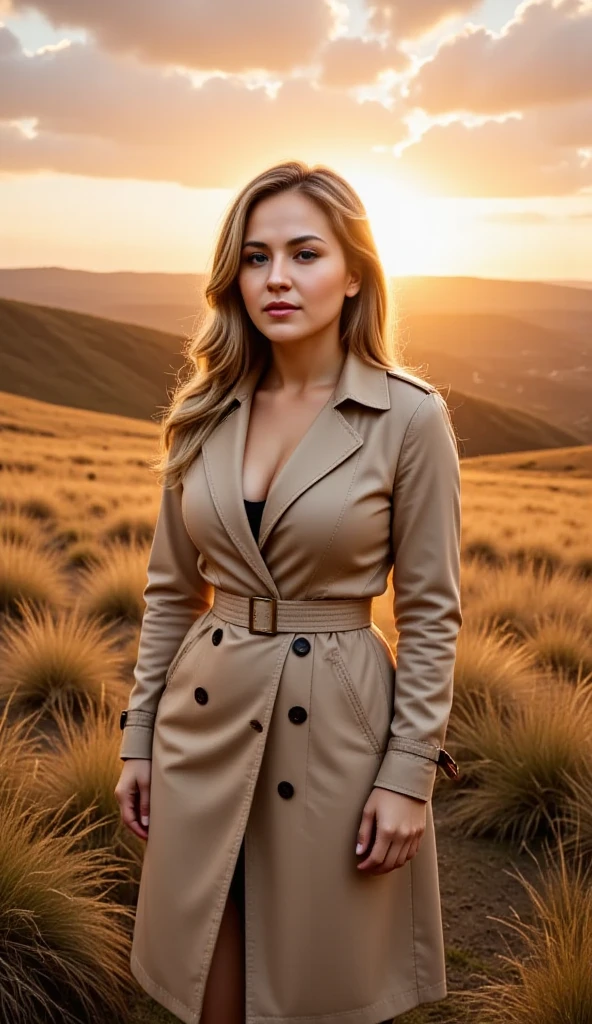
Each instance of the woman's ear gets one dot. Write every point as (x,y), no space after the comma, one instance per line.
(355,283)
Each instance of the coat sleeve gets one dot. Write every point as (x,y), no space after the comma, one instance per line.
(175,595)
(425,531)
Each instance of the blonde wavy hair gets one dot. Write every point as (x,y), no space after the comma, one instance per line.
(227,343)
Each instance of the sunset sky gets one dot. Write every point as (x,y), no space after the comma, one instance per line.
(126,127)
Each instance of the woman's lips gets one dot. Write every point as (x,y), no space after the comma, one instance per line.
(281,312)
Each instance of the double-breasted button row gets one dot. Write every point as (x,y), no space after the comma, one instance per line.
(296,714)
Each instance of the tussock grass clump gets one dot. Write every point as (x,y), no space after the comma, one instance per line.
(64,945)
(68,535)
(29,574)
(518,599)
(490,668)
(85,554)
(482,549)
(130,530)
(578,814)
(30,496)
(581,563)
(76,781)
(520,773)
(115,588)
(80,774)
(20,747)
(551,982)
(18,528)
(538,555)
(561,643)
(57,661)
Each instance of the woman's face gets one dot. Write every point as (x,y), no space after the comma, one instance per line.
(290,254)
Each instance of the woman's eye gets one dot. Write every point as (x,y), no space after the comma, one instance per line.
(302,252)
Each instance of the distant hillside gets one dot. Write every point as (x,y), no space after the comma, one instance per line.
(490,428)
(571,462)
(524,343)
(169,301)
(85,362)
(503,358)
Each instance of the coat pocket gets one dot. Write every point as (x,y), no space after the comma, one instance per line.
(385,662)
(342,673)
(194,633)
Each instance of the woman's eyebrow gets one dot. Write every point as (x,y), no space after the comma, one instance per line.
(291,241)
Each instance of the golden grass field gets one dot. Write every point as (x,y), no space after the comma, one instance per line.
(77,509)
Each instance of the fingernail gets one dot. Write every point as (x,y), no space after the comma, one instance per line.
(145,821)
(359,847)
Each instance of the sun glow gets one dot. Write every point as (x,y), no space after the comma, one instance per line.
(413,233)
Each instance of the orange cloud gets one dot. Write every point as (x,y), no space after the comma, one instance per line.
(130,120)
(543,55)
(408,19)
(230,36)
(350,61)
(515,157)
(112,115)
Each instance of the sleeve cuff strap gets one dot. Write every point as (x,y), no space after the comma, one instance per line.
(409,766)
(137,728)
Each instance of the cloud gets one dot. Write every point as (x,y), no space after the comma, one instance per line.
(514,157)
(112,115)
(233,36)
(348,62)
(408,19)
(543,55)
(130,120)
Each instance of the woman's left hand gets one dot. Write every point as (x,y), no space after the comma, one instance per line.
(400,825)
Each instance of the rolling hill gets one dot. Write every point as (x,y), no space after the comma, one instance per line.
(85,362)
(526,344)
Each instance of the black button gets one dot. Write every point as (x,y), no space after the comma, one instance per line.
(301,646)
(217,636)
(122,719)
(201,695)
(297,714)
(286,789)
(256,725)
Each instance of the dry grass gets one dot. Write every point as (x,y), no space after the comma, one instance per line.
(55,661)
(519,769)
(552,982)
(63,943)
(76,520)
(114,587)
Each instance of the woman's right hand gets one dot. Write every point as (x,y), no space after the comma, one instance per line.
(133,794)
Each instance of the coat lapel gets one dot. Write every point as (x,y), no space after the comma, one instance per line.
(328,442)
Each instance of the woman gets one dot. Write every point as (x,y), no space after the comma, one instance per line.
(278,755)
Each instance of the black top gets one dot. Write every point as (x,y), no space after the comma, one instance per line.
(254,511)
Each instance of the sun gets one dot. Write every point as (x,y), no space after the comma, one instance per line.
(414,233)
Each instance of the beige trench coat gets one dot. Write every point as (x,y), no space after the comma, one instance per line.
(375,478)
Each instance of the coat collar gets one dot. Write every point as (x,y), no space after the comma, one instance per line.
(365,384)
(328,442)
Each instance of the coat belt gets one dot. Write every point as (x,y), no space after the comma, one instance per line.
(270,615)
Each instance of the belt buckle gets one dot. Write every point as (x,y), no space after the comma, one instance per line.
(269,600)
